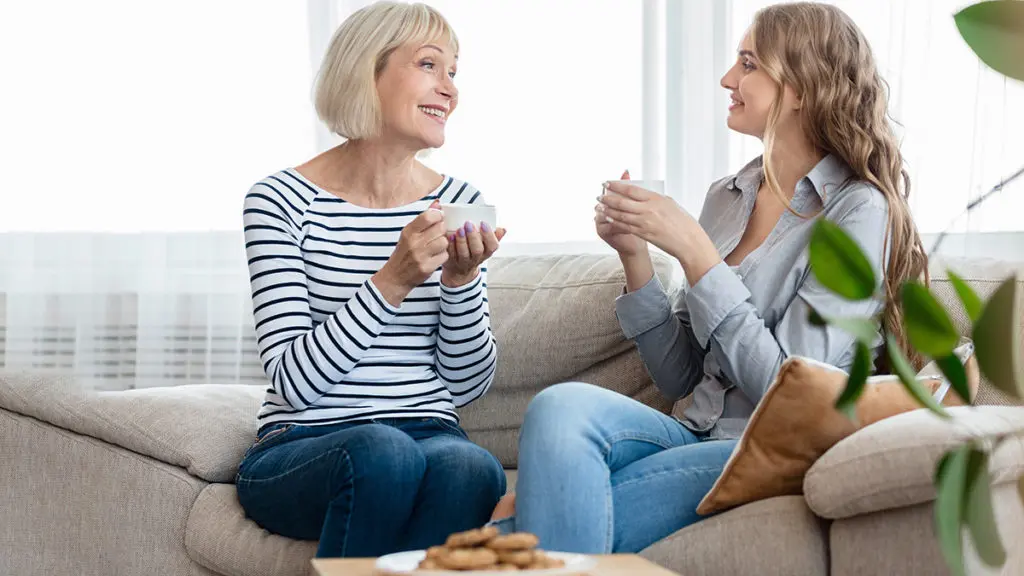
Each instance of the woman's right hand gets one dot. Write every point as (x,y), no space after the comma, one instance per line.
(422,248)
(625,244)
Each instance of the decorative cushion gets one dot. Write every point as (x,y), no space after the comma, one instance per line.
(796,423)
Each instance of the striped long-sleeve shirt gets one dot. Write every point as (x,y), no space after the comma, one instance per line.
(333,348)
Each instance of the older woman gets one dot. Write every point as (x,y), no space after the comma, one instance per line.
(371,318)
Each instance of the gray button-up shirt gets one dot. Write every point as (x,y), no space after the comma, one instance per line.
(725,338)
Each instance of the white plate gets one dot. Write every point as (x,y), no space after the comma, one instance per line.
(407,562)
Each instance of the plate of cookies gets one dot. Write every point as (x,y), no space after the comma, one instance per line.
(485,552)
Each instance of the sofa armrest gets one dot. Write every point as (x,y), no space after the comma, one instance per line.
(891,464)
(204,428)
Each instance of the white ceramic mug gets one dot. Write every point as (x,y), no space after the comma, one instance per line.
(456,215)
(656,186)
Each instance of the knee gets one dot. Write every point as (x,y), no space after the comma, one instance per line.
(562,407)
(465,462)
(384,456)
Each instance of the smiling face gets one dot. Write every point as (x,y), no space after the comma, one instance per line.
(752,93)
(417,93)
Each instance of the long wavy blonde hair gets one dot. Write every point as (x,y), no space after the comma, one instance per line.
(818,51)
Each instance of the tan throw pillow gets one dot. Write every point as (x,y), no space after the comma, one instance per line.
(796,423)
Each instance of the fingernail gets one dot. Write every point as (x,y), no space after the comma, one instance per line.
(599,207)
(484,227)
(462,232)
(608,219)
(469,227)
(451,238)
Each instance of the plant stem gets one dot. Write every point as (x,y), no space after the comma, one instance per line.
(974,204)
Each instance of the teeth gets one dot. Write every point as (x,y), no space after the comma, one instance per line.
(432,111)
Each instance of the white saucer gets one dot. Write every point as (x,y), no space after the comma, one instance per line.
(407,563)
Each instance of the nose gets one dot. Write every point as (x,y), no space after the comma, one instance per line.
(447,88)
(729,80)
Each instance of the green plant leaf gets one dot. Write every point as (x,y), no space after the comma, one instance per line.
(968,297)
(847,401)
(816,319)
(978,510)
(928,325)
(950,483)
(953,369)
(997,341)
(839,263)
(865,330)
(901,366)
(995,32)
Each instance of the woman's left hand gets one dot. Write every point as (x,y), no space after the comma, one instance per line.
(469,247)
(659,220)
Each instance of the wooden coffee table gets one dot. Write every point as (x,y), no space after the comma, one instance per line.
(610,565)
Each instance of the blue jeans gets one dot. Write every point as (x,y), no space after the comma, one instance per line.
(600,472)
(370,488)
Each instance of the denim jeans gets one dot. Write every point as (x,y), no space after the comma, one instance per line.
(600,472)
(370,488)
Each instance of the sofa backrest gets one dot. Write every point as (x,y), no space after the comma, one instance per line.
(984,276)
(554,320)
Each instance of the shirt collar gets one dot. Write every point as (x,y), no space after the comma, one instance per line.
(827,175)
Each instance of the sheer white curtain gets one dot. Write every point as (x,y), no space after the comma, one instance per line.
(131,132)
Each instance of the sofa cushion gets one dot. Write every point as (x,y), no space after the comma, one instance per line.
(554,320)
(796,422)
(891,464)
(774,537)
(205,428)
(220,537)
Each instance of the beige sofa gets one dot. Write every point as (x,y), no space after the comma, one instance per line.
(140,482)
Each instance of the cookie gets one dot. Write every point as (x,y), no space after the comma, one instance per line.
(518,558)
(472,537)
(467,559)
(545,562)
(514,541)
(429,564)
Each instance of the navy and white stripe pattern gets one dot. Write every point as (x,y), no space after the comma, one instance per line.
(333,348)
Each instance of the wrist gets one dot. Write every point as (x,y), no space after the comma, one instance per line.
(455,280)
(391,288)
(696,254)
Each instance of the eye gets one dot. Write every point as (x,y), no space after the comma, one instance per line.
(427,64)
(749,66)
(451,75)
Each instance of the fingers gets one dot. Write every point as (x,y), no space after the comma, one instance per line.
(613,215)
(490,239)
(476,243)
(461,245)
(426,219)
(629,191)
(500,233)
(622,203)
(625,175)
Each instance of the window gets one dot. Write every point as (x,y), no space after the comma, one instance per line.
(550,107)
(124,116)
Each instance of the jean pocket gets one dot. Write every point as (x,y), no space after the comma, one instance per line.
(451,427)
(269,438)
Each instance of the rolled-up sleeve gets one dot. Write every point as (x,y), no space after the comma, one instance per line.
(750,354)
(663,338)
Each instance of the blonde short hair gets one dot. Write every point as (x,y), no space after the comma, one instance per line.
(346,88)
